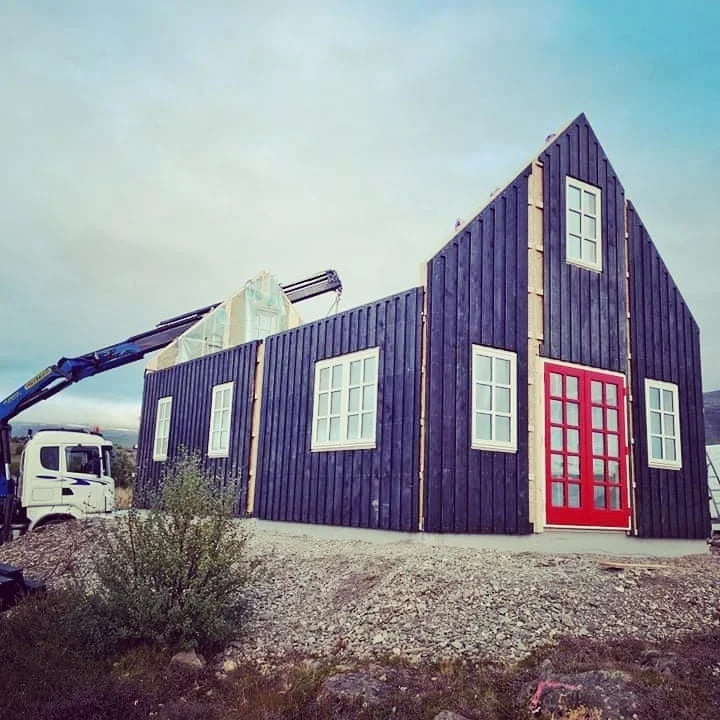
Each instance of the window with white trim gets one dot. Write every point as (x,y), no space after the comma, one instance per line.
(494,391)
(220,416)
(583,224)
(265,323)
(662,417)
(345,401)
(162,428)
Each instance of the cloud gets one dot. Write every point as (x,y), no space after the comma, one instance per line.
(66,410)
(156,158)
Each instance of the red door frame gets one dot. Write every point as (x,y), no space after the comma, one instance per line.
(595,496)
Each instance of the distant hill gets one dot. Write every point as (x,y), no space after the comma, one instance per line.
(117,436)
(711,400)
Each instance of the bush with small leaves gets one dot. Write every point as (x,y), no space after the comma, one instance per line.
(175,576)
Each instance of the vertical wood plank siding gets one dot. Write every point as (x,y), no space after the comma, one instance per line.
(665,345)
(477,294)
(190,384)
(374,488)
(584,310)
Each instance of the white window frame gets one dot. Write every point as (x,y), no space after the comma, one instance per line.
(510,445)
(268,313)
(597,193)
(344,361)
(662,462)
(217,392)
(162,428)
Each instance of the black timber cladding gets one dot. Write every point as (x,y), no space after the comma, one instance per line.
(375,488)
(584,311)
(665,346)
(190,384)
(477,294)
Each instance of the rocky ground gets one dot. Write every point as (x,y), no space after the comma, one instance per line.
(337,598)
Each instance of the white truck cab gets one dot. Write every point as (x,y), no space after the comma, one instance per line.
(65,474)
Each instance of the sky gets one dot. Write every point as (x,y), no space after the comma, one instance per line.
(157,155)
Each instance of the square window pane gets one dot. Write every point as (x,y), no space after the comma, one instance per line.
(572,410)
(669,425)
(573,441)
(353,399)
(334,429)
(668,403)
(557,469)
(483,368)
(573,197)
(571,387)
(224,439)
(612,445)
(367,430)
(599,492)
(573,221)
(589,227)
(598,470)
(656,448)
(502,371)
(614,498)
(598,446)
(654,394)
(655,423)
(589,251)
(353,427)
(670,450)
(573,495)
(324,382)
(321,432)
(502,428)
(368,397)
(589,204)
(573,464)
(597,418)
(573,247)
(558,494)
(370,370)
(502,399)
(612,420)
(556,439)
(556,414)
(335,399)
(613,471)
(596,391)
(356,372)
(336,376)
(483,397)
(483,426)
(556,385)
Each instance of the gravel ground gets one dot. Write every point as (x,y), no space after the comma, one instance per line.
(348,598)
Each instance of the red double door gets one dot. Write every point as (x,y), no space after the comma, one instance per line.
(586,448)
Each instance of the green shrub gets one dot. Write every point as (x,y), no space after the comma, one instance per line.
(175,576)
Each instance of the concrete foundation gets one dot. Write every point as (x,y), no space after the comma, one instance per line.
(614,543)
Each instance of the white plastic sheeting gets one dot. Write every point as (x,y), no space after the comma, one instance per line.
(257,310)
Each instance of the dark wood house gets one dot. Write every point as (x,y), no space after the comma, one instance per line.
(546,375)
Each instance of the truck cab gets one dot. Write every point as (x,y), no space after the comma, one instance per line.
(64,474)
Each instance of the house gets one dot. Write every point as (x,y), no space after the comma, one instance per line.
(545,375)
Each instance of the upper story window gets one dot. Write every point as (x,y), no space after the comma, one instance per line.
(345,401)
(266,321)
(662,418)
(583,224)
(494,388)
(220,416)
(162,428)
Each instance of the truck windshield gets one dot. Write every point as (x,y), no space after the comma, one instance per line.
(107,460)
